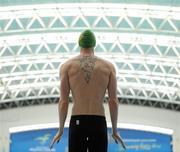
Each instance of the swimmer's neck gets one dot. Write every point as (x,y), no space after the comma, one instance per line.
(87,52)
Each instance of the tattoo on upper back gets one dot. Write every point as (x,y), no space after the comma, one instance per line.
(87,64)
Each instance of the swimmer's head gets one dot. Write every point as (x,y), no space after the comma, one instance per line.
(87,39)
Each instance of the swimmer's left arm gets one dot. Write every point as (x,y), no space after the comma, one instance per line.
(64,96)
(63,103)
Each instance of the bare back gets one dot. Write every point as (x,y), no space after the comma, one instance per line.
(88,81)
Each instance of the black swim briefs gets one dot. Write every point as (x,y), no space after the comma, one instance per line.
(88,133)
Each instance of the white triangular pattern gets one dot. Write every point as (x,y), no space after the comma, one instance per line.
(30,22)
(134,81)
(144,16)
(8,24)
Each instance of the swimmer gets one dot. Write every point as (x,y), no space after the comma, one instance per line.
(88,77)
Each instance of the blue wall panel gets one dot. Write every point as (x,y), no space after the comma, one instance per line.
(136,141)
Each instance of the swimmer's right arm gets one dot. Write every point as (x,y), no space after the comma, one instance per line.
(113,101)
(113,106)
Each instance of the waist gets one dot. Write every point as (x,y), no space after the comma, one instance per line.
(88,117)
(88,109)
(88,123)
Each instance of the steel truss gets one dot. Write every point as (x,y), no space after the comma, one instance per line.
(142,42)
(43,101)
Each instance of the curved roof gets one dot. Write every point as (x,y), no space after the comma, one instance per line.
(142,40)
(149,2)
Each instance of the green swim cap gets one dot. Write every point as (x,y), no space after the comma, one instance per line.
(87,39)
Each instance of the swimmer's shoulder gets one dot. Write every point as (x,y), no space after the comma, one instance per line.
(106,62)
(67,63)
(75,60)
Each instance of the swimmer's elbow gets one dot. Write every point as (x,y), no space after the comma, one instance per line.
(63,103)
(113,101)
